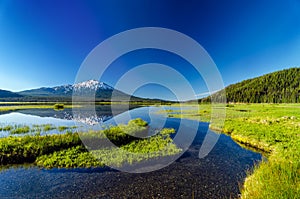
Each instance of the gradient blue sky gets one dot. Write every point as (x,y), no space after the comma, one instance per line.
(43,43)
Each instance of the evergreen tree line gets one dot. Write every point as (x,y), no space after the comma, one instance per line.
(277,87)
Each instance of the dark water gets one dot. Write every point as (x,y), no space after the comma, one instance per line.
(218,175)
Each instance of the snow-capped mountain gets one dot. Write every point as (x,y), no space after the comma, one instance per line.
(90,87)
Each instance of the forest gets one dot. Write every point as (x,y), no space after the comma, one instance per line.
(277,87)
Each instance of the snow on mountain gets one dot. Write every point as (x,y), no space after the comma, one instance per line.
(92,85)
(64,89)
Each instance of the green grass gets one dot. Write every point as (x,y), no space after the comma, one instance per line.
(6,128)
(134,152)
(24,129)
(139,150)
(67,150)
(21,106)
(273,128)
(276,178)
(69,158)
(131,149)
(138,122)
(62,128)
(17,150)
(20,130)
(48,127)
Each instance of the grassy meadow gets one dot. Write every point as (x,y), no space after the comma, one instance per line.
(273,128)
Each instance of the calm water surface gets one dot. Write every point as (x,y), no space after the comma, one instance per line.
(218,175)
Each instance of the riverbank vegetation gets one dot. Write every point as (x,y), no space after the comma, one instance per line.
(68,151)
(273,128)
(6,107)
(34,129)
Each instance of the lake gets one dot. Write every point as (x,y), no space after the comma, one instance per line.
(218,175)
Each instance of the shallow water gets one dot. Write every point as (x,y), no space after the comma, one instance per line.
(83,118)
(218,175)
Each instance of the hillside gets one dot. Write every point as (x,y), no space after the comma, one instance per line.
(277,87)
(8,94)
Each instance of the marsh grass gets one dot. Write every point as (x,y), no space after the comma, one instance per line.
(273,128)
(48,127)
(134,152)
(17,150)
(62,128)
(67,150)
(276,178)
(73,157)
(20,106)
(24,129)
(137,151)
(6,128)
(20,130)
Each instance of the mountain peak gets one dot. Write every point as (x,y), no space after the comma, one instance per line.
(92,85)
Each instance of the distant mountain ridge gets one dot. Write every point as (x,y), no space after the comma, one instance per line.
(8,94)
(276,87)
(101,90)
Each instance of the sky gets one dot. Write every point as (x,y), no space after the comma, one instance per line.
(43,43)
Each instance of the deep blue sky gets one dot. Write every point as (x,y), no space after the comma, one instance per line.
(43,43)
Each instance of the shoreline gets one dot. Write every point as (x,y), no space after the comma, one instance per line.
(268,128)
(243,142)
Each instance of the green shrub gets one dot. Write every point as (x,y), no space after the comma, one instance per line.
(59,106)
(138,122)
